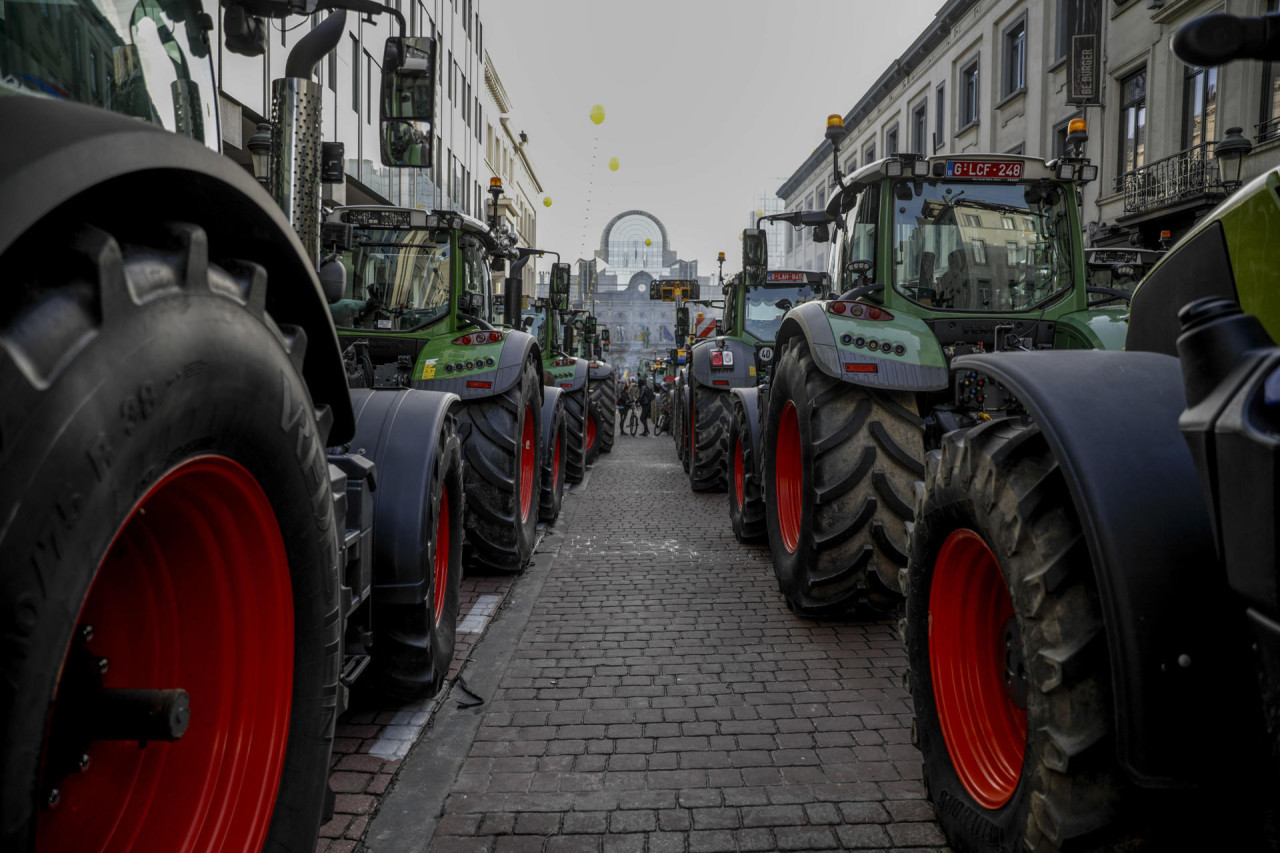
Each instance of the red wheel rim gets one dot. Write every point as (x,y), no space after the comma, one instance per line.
(985,732)
(788,477)
(193,593)
(738,486)
(441,564)
(526,464)
(555,466)
(591,432)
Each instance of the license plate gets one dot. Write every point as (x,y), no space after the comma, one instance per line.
(1009,170)
(786,276)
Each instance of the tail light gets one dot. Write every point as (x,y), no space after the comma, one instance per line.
(564,362)
(860,310)
(475,338)
(722,358)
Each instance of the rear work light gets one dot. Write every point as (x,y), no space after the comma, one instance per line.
(722,358)
(861,368)
(478,338)
(860,310)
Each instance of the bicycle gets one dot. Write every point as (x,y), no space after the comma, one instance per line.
(634,421)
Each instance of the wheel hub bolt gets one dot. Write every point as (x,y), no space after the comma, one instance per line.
(85,761)
(103,666)
(55,797)
(86,633)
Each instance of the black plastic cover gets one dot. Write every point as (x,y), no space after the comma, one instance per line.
(1198,268)
(1111,421)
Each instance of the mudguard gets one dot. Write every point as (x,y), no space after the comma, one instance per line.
(600,370)
(517,347)
(1100,328)
(569,378)
(1111,421)
(926,371)
(123,170)
(740,375)
(550,399)
(750,400)
(398,429)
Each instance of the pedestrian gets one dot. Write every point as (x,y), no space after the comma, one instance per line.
(624,403)
(646,402)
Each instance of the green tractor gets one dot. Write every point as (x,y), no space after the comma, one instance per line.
(584,339)
(739,358)
(679,291)
(1093,616)
(196,566)
(934,258)
(563,370)
(416,313)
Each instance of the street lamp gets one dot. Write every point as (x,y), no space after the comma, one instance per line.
(1231,152)
(259,146)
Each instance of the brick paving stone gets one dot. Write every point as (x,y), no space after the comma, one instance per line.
(662,697)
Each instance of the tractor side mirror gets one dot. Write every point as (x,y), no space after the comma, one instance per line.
(560,280)
(407,101)
(604,335)
(589,327)
(755,256)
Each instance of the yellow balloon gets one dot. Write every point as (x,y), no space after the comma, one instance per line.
(546,201)
(613,164)
(759,213)
(597,113)
(648,241)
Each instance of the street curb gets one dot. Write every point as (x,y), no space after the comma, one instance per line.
(408,815)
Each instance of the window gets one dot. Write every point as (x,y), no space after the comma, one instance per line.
(1006,222)
(368,88)
(979,251)
(1133,122)
(1060,34)
(1269,121)
(355,76)
(869,153)
(862,236)
(1015,58)
(821,199)
(333,71)
(453,73)
(970,96)
(920,128)
(940,115)
(972,220)
(891,141)
(1199,106)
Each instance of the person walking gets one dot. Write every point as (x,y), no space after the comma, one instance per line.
(646,403)
(624,404)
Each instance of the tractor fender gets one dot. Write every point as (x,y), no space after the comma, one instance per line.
(517,348)
(550,399)
(750,400)
(1111,422)
(569,379)
(740,375)
(398,429)
(922,369)
(1100,328)
(600,370)
(70,158)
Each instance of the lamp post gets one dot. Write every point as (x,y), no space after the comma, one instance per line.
(259,146)
(1231,152)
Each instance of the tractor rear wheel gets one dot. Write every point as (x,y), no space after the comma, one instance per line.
(1009,673)
(604,397)
(746,498)
(583,431)
(502,451)
(160,536)
(413,644)
(680,409)
(551,493)
(709,415)
(841,461)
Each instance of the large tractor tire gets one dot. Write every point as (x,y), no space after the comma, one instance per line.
(1009,671)
(554,458)
(584,434)
(746,497)
(413,644)
(841,462)
(503,454)
(160,535)
(604,397)
(709,415)
(680,409)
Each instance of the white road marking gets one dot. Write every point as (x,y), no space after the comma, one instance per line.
(480,614)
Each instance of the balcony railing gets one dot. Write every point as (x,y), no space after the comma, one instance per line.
(1268,129)
(1188,175)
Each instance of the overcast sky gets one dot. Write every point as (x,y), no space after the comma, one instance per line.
(708,103)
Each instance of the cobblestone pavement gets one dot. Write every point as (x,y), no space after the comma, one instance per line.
(647,690)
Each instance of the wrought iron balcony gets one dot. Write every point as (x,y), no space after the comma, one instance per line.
(1189,175)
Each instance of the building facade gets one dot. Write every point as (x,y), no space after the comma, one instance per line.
(506,156)
(350,75)
(990,76)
